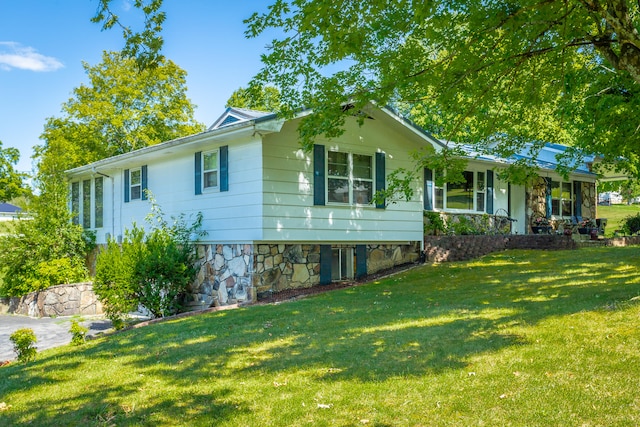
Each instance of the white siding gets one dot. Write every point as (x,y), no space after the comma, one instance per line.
(289,213)
(229,216)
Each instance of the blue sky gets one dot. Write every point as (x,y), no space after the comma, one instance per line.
(44,42)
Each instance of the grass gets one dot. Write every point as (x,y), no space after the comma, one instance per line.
(615,215)
(530,338)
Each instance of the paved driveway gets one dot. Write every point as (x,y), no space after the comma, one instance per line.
(50,332)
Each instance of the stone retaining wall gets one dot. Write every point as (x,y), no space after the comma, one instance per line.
(461,248)
(623,241)
(61,300)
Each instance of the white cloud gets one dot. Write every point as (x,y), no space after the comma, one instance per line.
(14,55)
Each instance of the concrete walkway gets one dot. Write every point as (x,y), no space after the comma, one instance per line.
(50,332)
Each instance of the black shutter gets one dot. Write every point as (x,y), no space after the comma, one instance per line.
(224,168)
(428,189)
(126,185)
(325,264)
(144,182)
(380,177)
(198,172)
(318,180)
(577,191)
(490,192)
(361,261)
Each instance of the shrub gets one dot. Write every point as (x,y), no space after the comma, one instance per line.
(23,344)
(435,223)
(44,251)
(632,224)
(150,269)
(463,226)
(78,333)
(114,283)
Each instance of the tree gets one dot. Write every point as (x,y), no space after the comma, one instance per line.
(122,109)
(144,46)
(261,98)
(45,250)
(11,181)
(499,75)
(502,76)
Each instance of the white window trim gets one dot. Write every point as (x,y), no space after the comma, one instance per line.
(205,171)
(79,218)
(474,196)
(560,199)
(343,270)
(132,185)
(350,179)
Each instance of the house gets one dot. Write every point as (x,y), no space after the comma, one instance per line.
(277,217)
(8,212)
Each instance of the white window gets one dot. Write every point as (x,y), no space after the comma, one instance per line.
(99,203)
(341,263)
(468,195)
(561,199)
(75,202)
(349,178)
(210,169)
(86,203)
(135,184)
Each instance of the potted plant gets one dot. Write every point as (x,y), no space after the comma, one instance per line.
(540,225)
(585,225)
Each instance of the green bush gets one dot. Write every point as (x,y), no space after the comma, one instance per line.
(435,223)
(151,269)
(78,333)
(44,251)
(632,224)
(114,283)
(23,344)
(463,226)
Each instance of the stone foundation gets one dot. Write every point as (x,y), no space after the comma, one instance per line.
(231,274)
(280,267)
(61,300)
(224,276)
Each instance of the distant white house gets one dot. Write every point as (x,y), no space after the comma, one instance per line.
(278,217)
(9,212)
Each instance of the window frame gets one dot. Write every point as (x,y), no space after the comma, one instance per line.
(86,208)
(75,202)
(86,196)
(204,172)
(132,185)
(479,189)
(558,201)
(350,179)
(98,202)
(342,264)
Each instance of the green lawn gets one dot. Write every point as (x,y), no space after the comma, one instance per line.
(535,338)
(615,214)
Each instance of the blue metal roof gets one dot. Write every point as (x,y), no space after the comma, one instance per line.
(546,157)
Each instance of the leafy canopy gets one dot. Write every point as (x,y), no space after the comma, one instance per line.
(11,181)
(261,98)
(120,110)
(503,76)
(498,75)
